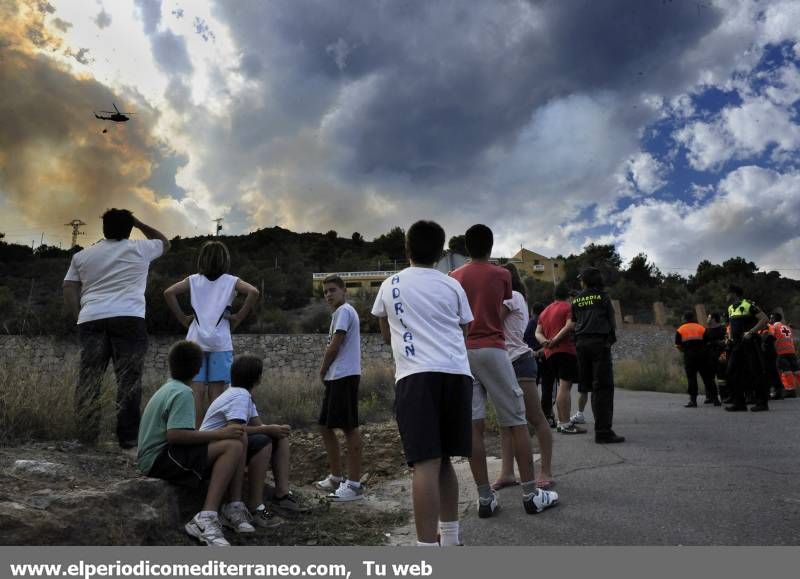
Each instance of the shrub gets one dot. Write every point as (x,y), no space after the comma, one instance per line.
(661,371)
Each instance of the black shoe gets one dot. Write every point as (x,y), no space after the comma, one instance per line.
(717,403)
(551,420)
(608,438)
(691,404)
(736,408)
(759,408)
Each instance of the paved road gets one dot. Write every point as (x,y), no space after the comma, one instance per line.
(684,477)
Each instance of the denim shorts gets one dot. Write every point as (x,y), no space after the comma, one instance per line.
(216,367)
(525,367)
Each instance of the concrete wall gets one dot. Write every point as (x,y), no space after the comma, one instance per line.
(296,354)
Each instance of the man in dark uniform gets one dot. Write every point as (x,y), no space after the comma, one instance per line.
(745,362)
(595,331)
(690,339)
(716,347)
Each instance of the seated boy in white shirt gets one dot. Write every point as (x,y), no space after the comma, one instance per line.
(267,444)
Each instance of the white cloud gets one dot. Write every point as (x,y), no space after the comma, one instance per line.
(755,214)
(646,172)
(739,132)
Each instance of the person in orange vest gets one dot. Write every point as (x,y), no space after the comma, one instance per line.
(690,339)
(788,364)
(771,363)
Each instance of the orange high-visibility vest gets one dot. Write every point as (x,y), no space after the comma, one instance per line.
(784,341)
(691,332)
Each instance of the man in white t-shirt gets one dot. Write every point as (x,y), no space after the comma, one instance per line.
(104,288)
(424,315)
(340,373)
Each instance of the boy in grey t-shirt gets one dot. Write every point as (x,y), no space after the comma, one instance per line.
(340,372)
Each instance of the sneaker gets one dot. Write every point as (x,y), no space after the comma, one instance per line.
(330,483)
(579,418)
(539,501)
(488,507)
(207,530)
(289,503)
(265,518)
(236,517)
(570,428)
(691,404)
(346,493)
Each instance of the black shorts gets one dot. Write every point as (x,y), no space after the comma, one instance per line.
(563,366)
(182,464)
(434,415)
(255,442)
(340,405)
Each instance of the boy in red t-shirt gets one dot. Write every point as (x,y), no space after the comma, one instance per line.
(487,286)
(562,358)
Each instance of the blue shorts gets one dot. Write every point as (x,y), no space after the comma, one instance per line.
(216,367)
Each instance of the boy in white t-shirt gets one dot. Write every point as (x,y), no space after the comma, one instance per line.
(211,293)
(424,315)
(340,372)
(267,444)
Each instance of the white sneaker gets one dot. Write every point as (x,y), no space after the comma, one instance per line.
(347,492)
(236,517)
(579,418)
(330,483)
(488,507)
(539,501)
(207,530)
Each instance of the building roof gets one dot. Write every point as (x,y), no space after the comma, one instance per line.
(526,255)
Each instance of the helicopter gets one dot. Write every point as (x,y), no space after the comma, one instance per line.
(114,115)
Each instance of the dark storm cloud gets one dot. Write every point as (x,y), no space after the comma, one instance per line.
(444,82)
(151,14)
(170,53)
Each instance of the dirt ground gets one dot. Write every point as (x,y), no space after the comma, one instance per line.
(363,523)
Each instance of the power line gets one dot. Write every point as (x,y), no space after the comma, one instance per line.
(76,224)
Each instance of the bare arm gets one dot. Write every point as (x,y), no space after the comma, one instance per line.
(250,300)
(562,333)
(72,297)
(186,436)
(386,332)
(171,297)
(763,320)
(255,426)
(540,336)
(151,233)
(330,353)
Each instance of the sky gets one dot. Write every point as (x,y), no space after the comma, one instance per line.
(666,127)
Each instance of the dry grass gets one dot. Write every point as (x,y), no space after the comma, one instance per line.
(662,371)
(38,405)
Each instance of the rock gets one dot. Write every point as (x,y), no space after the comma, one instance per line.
(40,468)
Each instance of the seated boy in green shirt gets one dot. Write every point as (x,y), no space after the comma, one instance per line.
(171,449)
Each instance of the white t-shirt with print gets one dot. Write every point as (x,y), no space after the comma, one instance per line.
(348,359)
(233,404)
(514,325)
(211,329)
(113,277)
(425,309)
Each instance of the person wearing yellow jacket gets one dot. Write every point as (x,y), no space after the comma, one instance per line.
(745,362)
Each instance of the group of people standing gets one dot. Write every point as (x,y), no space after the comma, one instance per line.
(748,361)
(458,341)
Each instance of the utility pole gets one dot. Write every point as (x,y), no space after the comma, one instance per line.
(76,224)
(218,221)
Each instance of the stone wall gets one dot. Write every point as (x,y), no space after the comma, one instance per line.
(295,354)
